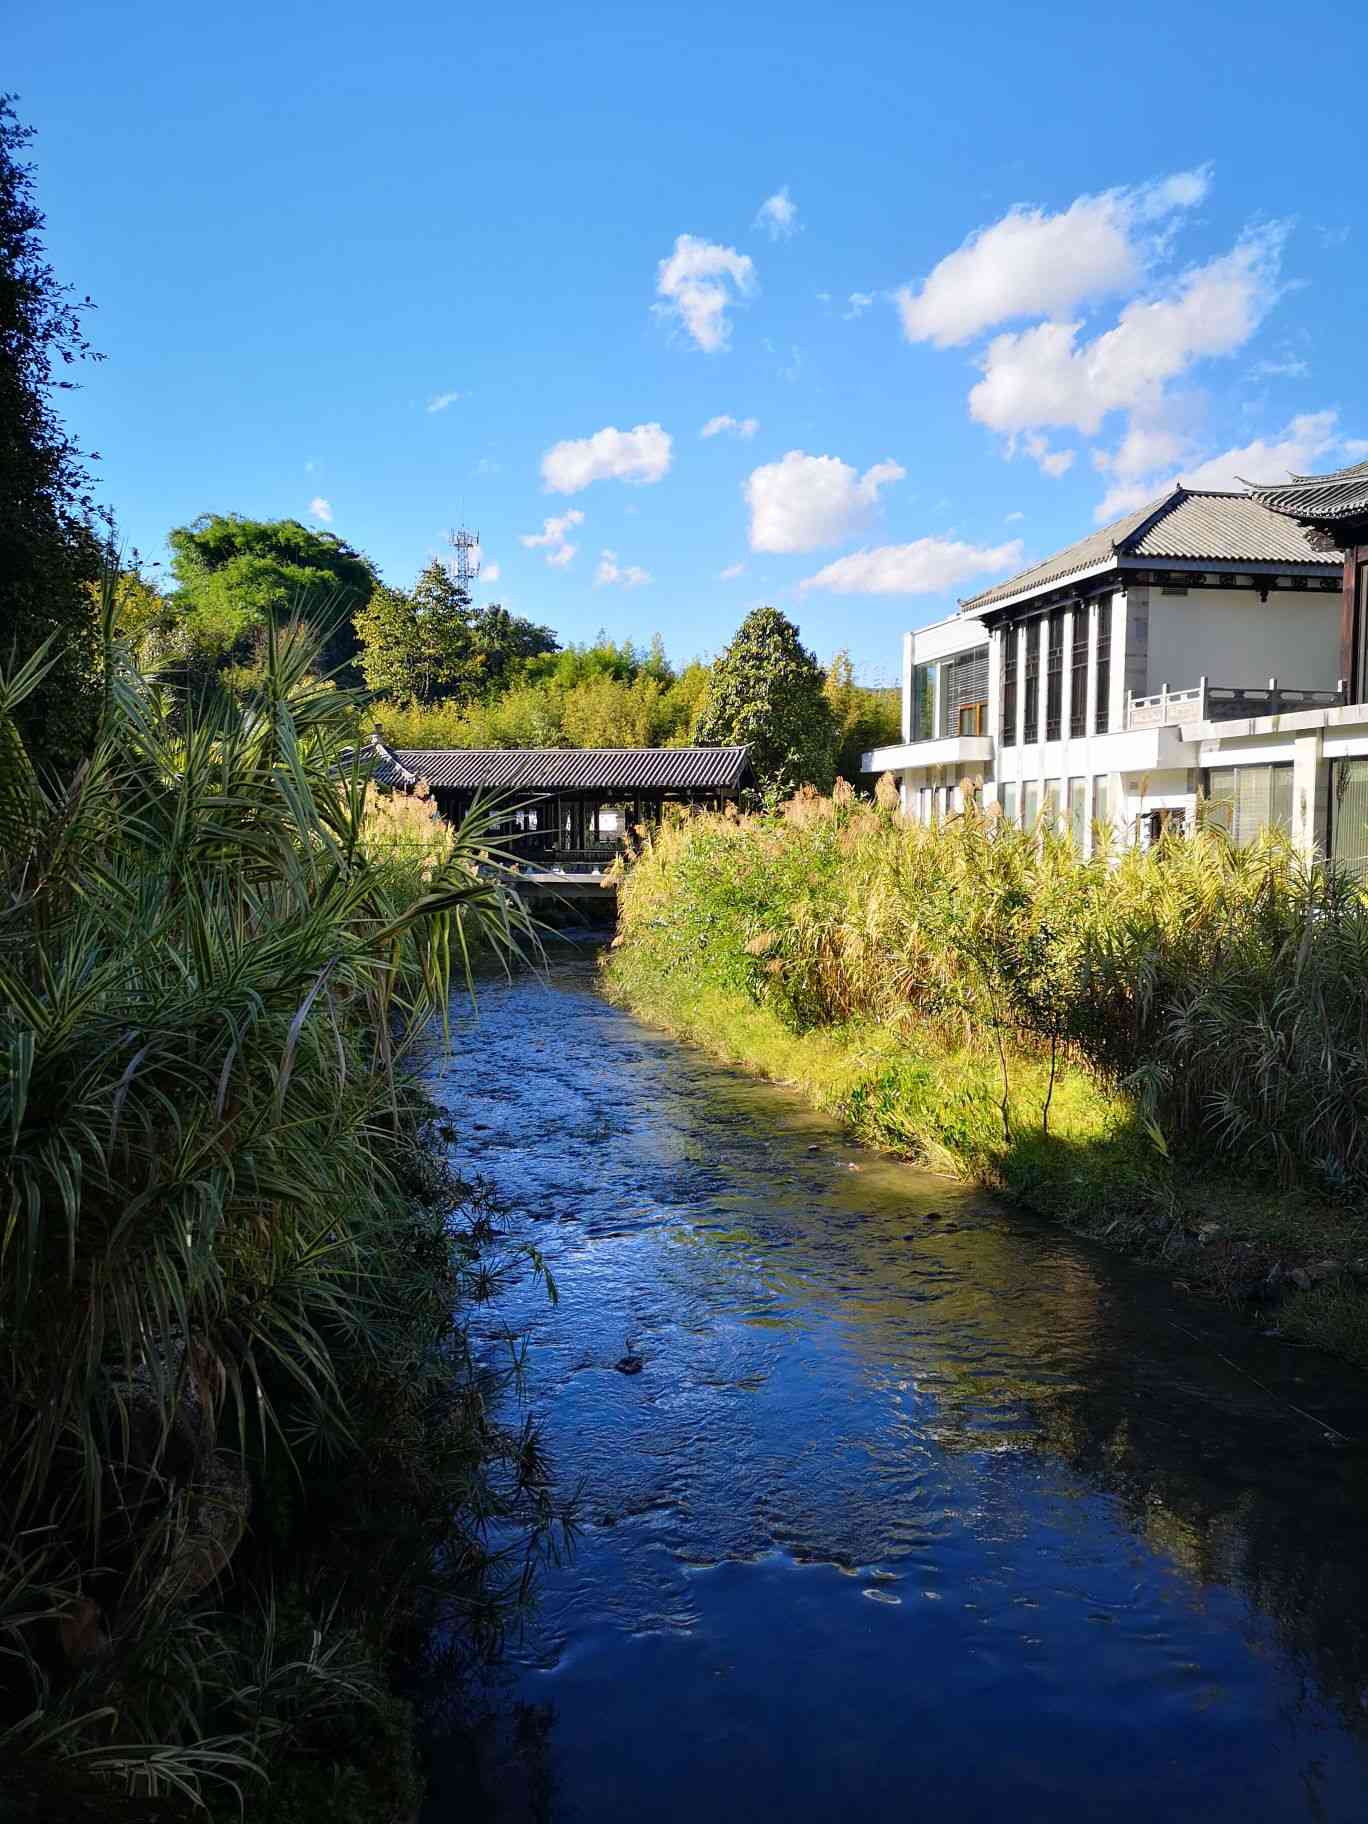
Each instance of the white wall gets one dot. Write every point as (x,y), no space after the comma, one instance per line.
(1229,636)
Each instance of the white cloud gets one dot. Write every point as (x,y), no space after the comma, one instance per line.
(778,216)
(631,576)
(699,281)
(806,501)
(321,509)
(921,568)
(1032,264)
(1043,376)
(1306,439)
(440,401)
(1012,518)
(552,538)
(859,302)
(739,427)
(1292,368)
(1050,462)
(490,573)
(641,455)
(730,574)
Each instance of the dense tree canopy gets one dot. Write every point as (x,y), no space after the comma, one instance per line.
(233,574)
(865,718)
(49,550)
(768,691)
(431,645)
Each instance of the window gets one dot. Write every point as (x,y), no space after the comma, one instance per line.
(1102,827)
(1030,805)
(964,693)
(1009,803)
(1050,809)
(1243,800)
(923,702)
(1078,813)
(1011,641)
(1102,721)
(1031,731)
(1054,675)
(1078,674)
(1349,815)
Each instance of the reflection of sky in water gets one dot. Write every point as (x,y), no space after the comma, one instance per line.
(906,1517)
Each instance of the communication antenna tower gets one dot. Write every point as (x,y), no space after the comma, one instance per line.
(464,544)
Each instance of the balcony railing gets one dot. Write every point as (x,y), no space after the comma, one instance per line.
(1207,702)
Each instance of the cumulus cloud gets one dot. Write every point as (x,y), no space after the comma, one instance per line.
(1309,438)
(778,216)
(490,573)
(1049,461)
(921,568)
(321,509)
(699,282)
(1033,264)
(739,427)
(440,401)
(1046,376)
(859,302)
(630,576)
(730,574)
(804,501)
(552,538)
(641,455)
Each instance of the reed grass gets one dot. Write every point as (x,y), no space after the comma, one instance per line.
(1116,1040)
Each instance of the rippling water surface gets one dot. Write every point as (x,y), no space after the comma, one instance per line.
(919,1509)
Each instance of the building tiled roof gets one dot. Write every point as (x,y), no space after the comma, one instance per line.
(564,769)
(1186,525)
(1321,499)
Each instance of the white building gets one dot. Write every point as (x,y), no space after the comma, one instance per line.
(1192,650)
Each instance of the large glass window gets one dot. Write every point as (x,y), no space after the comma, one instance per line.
(1009,803)
(1102,823)
(1349,815)
(1247,799)
(1030,804)
(1031,683)
(1050,808)
(923,702)
(1054,676)
(1078,673)
(964,694)
(1078,812)
(1102,721)
(1011,643)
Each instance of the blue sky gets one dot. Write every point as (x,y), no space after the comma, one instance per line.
(961,282)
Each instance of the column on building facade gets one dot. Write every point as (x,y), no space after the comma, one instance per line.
(1116,707)
(995,640)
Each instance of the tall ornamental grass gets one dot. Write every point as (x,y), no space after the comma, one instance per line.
(1220,992)
(245,1446)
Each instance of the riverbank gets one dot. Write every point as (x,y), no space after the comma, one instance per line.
(753,940)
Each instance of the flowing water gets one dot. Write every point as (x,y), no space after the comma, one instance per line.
(919,1509)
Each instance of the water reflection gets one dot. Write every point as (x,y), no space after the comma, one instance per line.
(918,1507)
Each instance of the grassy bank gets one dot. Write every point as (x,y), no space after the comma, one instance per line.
(1166,1051)
(250,1462)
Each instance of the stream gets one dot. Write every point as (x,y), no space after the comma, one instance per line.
(919,1508)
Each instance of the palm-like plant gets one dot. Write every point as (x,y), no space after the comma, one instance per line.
(209,994)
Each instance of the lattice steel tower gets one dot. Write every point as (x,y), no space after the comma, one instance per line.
(465,544)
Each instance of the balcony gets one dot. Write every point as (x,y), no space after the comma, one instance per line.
(1207,702)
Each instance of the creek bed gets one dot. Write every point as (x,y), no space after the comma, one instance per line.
(919,1508)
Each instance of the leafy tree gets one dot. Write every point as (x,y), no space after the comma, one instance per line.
(865,718)
(430,645)
(768,691)
(49,551)
(235,574)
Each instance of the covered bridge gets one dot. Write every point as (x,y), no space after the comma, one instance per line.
(567,807)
